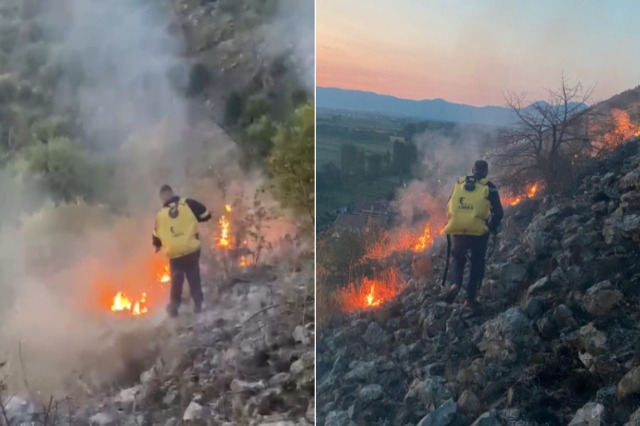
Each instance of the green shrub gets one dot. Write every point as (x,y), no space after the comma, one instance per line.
(292,162)
(262,132)
(257,106)
(62,167)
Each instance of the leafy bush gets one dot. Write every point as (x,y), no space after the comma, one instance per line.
(257,107)
(292,162)
(50,128)
(262,131)
(62,167)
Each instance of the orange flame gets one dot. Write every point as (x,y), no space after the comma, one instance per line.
(619,128)
(514,200)
(224,241)
(122,303)
(370,293)
(425,240)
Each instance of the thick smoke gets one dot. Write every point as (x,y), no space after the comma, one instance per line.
(58,264)
(444,157)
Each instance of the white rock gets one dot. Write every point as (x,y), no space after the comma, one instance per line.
(194,411)
(101,419)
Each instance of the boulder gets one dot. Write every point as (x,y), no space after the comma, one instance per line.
(488,419)
(338,418)
(370,393)
(602,298)
(374,336)
(508,335)
(442,416)
(469,403)
(629,384)
(593,340)
(431,391)
(592,414)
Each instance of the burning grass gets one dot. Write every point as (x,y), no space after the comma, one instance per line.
(614,131)
(510,199)
(370,292)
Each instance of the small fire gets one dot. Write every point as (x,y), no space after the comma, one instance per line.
(514,200)
(425,240)
(244,262)
(371,292)
(224,241)
(371,298)
(165,276)
(617,129)
(122,303)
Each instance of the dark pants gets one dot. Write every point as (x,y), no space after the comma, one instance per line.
(460,246)
(188,266)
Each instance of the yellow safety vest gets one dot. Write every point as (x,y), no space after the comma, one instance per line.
(177,229)
(469,207)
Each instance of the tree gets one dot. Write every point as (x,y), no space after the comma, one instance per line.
(546,137)
(328,177)
(292,162)
(375,165)
(348,157)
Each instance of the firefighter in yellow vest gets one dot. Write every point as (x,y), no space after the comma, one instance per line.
(176,231)
(474,211)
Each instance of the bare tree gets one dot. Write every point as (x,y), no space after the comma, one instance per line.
(546,137)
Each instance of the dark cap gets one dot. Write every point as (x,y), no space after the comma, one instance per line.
(165,188)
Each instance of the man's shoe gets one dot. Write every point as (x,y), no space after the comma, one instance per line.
(172,310)
(472,305)
(451,294)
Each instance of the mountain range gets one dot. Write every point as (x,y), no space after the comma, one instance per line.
(430,109)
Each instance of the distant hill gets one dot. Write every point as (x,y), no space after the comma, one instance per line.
(434,109)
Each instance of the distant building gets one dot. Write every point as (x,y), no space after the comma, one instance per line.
(353,221)
(365,215)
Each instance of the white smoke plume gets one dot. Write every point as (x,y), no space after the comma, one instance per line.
(444,157)
(57,261)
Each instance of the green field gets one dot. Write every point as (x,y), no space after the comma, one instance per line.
(373,134)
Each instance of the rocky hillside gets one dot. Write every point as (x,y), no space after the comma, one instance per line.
(555,343)
(247,359)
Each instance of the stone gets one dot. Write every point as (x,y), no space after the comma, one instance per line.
(194,411)
(300,335)
(541,286)
(629,384)
(592,414)
(431,391)
(538,243)
(338,418)
(593,340)
(634,420)
(102,419)
(469,403)
(602,298)
(508,335)
(240,386)
(442,416)
(361,371)
(489,418)
(563,318)
(374,336)
(370,393)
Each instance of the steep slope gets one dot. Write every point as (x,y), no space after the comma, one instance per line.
(556,341)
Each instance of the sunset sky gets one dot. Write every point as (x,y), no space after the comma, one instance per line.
(473,51)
